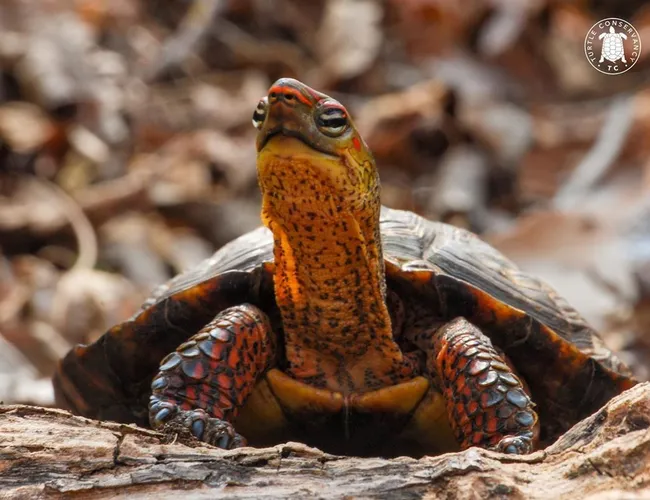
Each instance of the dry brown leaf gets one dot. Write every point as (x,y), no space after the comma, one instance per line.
(88,302)
(588,253)
(227,106)
(17,376)
(24,127)
(504,128)
(27,209)
(574,254)
(349,40)
(388,122)
(434,27)
(181,249)
(129,248)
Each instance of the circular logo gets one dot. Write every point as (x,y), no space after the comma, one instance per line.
(612,46)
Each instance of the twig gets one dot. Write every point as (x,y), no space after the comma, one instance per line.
(81,226)
(180,45)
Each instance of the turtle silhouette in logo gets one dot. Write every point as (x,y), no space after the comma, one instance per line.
(612,46)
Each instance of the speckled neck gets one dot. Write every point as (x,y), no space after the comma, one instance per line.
(329,279)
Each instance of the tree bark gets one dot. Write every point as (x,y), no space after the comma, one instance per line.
(50,453)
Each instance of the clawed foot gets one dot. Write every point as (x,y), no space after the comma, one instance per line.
(515,445)
(172,421)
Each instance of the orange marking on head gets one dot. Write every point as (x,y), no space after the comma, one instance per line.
(286,90)
(356,143)
(313,93)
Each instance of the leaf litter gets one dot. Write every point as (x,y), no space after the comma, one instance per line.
(126,150)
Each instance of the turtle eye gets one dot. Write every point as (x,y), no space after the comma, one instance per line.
(259,114)
(332,121)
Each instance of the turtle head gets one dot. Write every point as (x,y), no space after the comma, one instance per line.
(307,144)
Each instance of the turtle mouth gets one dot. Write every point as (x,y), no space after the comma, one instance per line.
(280,130)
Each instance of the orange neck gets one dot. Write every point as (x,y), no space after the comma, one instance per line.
(329,279)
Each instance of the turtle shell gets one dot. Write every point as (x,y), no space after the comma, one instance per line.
(565,363)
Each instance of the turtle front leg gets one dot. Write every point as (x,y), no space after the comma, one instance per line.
(487,404)
(205,382)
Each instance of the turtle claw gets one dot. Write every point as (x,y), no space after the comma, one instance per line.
(198,428)
(218,432)
(200,425)
(515,445)
(227,441)
(222,435)
(161,413)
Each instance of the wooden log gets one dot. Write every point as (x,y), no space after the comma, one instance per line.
(50,453)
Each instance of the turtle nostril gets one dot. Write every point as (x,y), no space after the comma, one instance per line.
(273,95)
(288,96)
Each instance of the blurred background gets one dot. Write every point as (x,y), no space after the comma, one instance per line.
(127,149)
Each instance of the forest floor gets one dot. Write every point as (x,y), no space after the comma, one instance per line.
(127,150)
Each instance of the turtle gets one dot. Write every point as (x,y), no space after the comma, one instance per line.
(613,48)
(346,325)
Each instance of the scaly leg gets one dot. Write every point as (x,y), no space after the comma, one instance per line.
(487,404)
(205,382)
